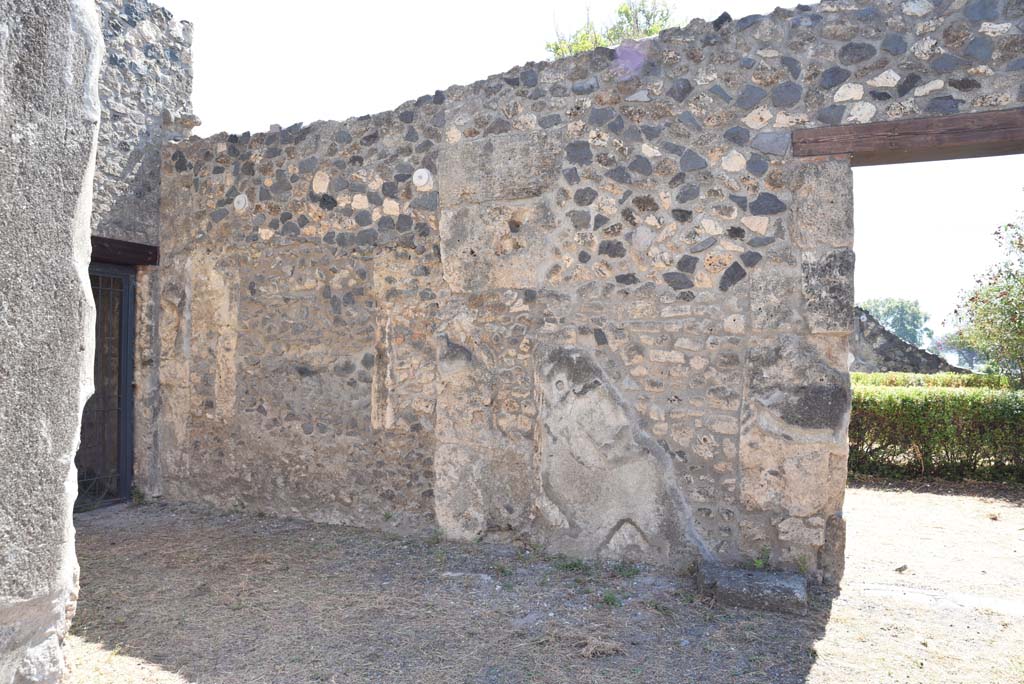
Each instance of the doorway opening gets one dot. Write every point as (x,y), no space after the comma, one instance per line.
(104,458)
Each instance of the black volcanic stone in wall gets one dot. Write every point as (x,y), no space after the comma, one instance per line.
(946,63)
(750,259)
(980,48)
(946,104)
(687,193)
(691,161)
(721,93)
(831,115)
(704,244)
(599,116)
(767,204)
(578,152)
(620,175)
(738,135)
(641,165)
(787,94)
(611,248)
(757,165)
(750,97)
(680,89)
(834,76)
(732,275)
(687,264)
(585,196)
(855,53)
(894,44)
(792,65)
(580,219)
(549,120)
(907,83)
(982,10)
(677,280)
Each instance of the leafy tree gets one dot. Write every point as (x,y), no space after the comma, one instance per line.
(950,343)
(902,317)
(990,317)
(634,19)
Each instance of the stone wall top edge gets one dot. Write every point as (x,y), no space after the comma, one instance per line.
(695,29)
(713,35)
(181,28)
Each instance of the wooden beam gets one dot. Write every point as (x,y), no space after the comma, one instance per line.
(111,251)
(958,136)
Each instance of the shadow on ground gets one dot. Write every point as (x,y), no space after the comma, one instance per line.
(1011,493)
(174,593)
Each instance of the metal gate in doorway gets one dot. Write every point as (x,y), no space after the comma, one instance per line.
(104,458)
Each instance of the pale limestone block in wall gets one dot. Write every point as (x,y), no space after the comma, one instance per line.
(607,489)
(146,379)
(822,206)
(887,79)
(173,378)
(501,167)
(214,329)
(803,531)
(804,483)
(458,501)
(483,476)
(779,475)
(794,389)
(929,87)
(775,294)
(861,112)
(488,246)
(848,92)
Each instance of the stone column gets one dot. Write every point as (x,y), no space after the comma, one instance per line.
(50,52)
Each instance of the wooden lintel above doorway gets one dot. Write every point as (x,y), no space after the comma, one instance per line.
(111,251)
(958,136)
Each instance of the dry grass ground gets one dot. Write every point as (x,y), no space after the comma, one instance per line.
(174,594)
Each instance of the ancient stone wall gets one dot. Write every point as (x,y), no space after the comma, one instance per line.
(299,286)
(50,53)
(145,92)
(145,88)
(873,349)
(594,303)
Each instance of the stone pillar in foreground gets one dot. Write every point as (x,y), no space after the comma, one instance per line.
(50,52)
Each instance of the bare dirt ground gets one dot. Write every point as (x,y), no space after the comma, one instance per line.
(172,594)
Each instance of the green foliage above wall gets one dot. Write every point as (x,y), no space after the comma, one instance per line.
(633,20)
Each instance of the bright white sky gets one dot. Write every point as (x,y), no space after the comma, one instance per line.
(922,230)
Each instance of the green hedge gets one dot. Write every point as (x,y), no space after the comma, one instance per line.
(954,433)
(991,381)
